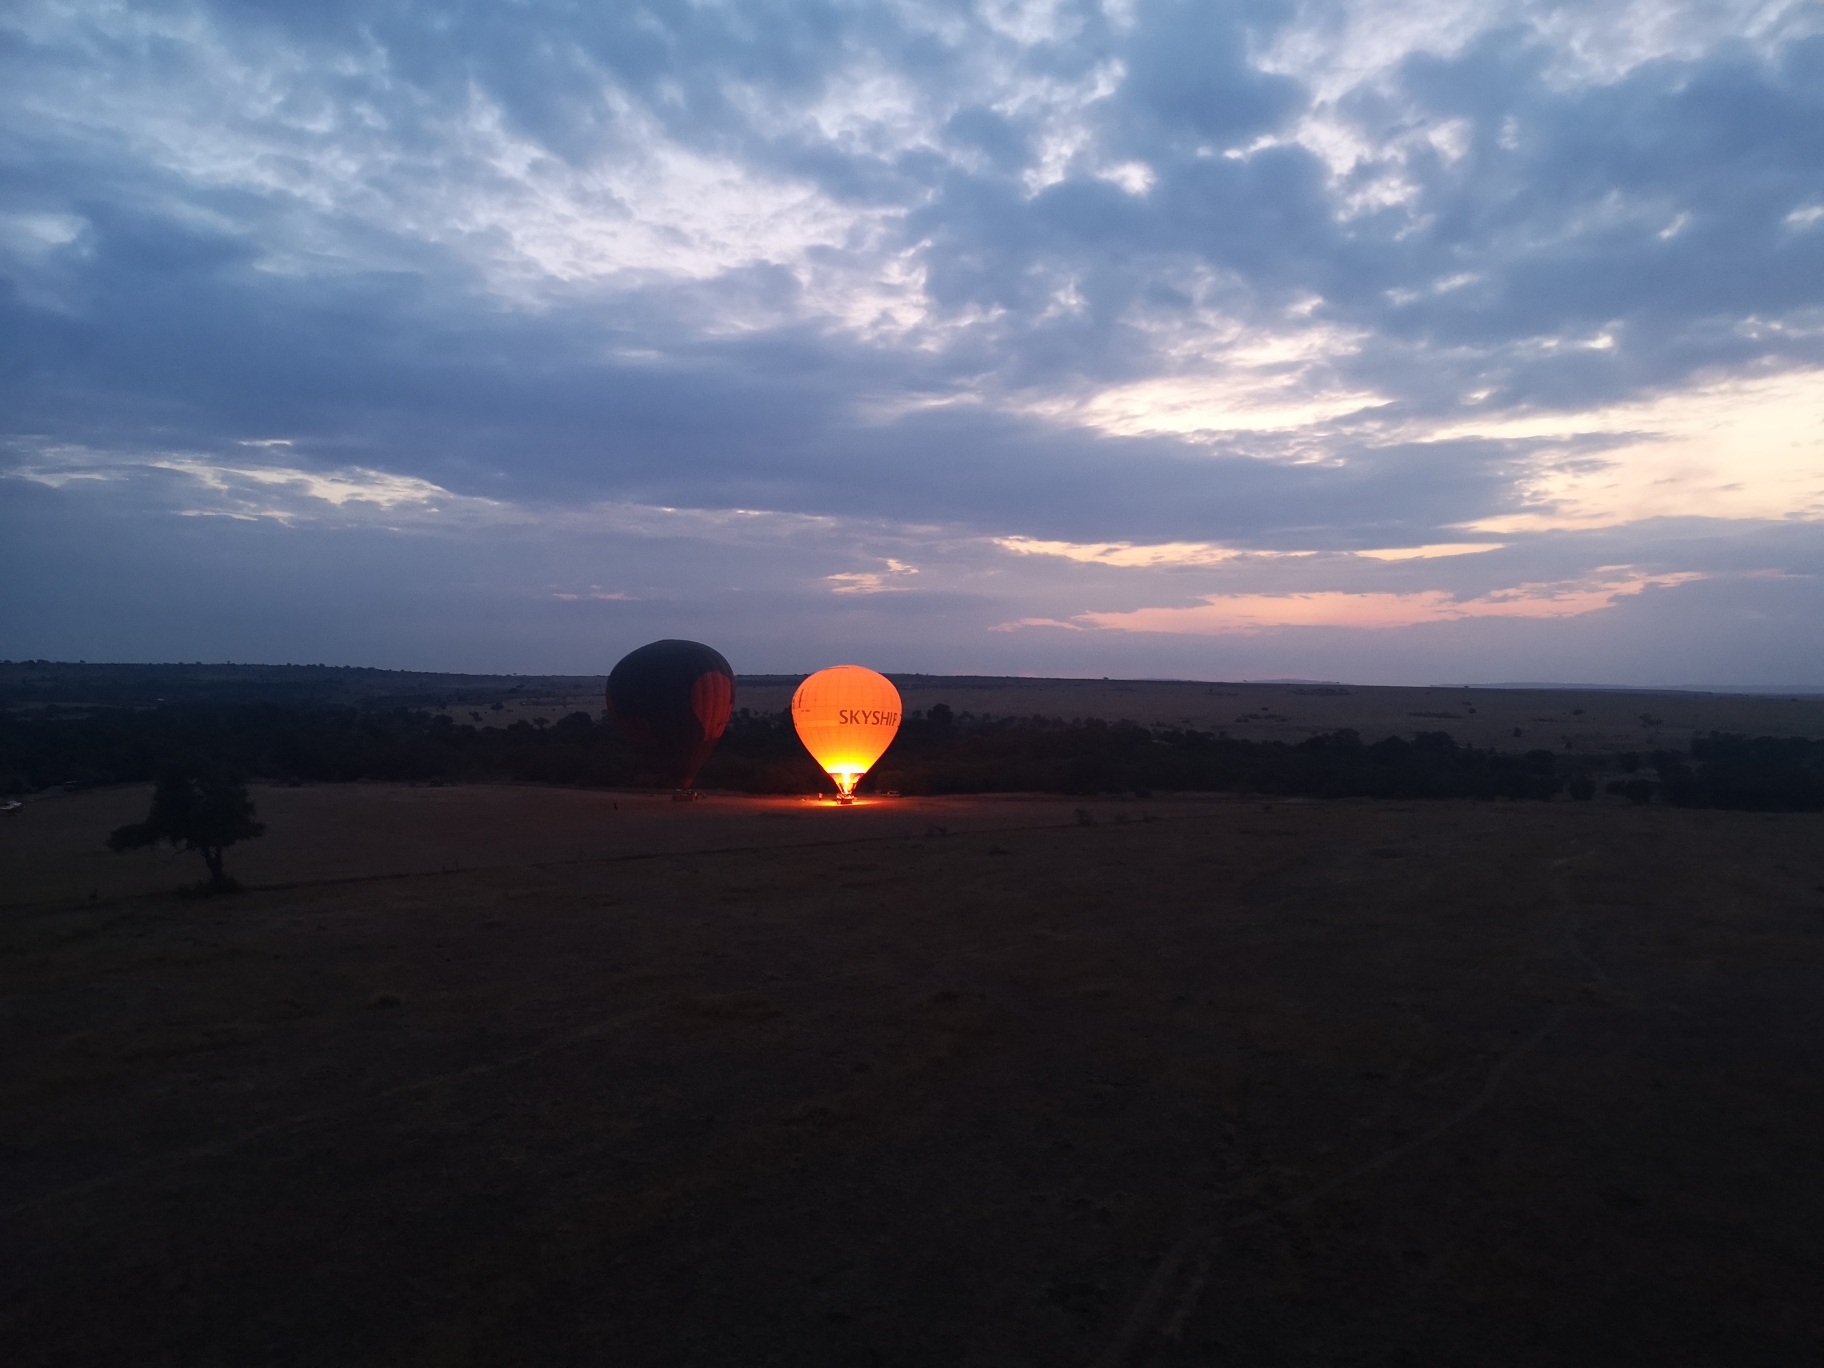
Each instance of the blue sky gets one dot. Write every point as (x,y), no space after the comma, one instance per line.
(1394,342)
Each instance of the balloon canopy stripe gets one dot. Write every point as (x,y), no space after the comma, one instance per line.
(712,699)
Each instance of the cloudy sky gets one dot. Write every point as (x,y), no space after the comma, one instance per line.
(1395,340)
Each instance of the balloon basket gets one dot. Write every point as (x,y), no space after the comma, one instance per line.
(685,796)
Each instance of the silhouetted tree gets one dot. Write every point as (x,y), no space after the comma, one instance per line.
(202,812)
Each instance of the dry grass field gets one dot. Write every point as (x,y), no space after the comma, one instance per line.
(520,1076)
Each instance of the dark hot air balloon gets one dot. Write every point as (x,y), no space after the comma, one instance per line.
(671,700)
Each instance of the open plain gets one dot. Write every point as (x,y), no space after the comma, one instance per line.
(495,1075)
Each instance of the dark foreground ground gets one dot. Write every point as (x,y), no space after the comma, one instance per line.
(1309,1084)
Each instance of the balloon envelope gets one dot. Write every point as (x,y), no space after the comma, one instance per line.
(671,700)
(846,716)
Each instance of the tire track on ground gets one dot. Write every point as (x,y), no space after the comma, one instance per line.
(1202,1242)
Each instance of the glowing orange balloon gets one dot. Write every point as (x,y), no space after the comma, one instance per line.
(846,716)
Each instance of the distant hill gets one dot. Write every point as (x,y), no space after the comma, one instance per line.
(66,683)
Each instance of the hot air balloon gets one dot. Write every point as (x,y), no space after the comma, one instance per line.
(846,716)
(671,700)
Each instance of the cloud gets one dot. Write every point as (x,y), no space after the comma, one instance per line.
(283,493)
(1078,309)
(1123,553)
(1128,555)
(1019,623)
(1731,448)
(888,581)
(353,496)
(1432,552)
(1205,406)
(1222,614)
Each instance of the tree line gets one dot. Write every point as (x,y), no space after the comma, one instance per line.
(936,752)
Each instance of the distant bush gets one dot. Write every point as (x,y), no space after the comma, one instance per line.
(1099,757)
(1765,774)
(123,745)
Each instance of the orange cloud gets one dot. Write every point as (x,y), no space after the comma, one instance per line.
(1037,622)
(1245,614)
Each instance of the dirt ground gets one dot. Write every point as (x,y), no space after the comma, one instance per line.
(56,848)
(934,1082)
